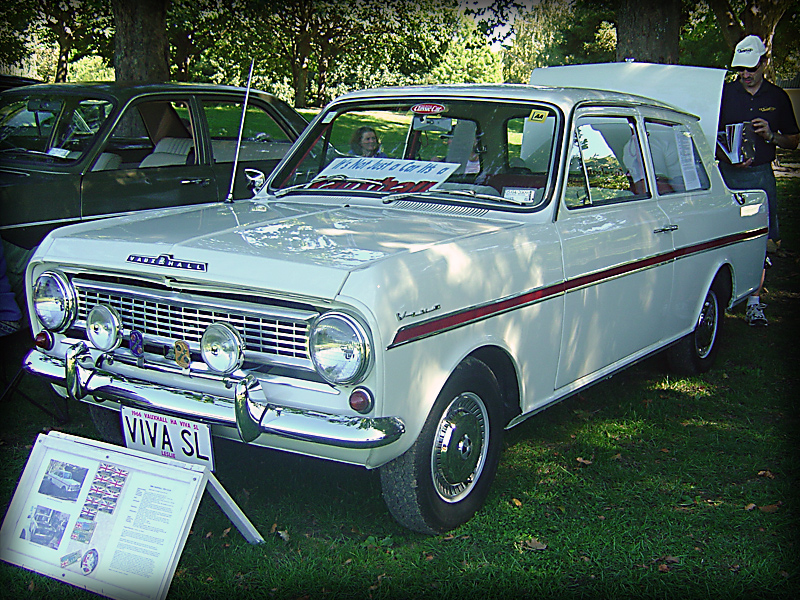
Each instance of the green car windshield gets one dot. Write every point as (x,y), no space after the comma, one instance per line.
(50,129)
(445,149)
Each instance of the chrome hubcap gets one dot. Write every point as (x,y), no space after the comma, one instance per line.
(706,331)
(460,447)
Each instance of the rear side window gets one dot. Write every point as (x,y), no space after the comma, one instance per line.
(262,136)
(676,162)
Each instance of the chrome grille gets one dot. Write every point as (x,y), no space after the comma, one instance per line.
(165,316)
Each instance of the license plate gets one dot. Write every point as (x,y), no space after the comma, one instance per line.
(173,437)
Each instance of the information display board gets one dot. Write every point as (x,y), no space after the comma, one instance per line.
(108,519)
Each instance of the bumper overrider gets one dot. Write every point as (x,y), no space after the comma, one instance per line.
(83,377)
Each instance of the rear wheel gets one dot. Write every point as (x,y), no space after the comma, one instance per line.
(696,352)
(443,479)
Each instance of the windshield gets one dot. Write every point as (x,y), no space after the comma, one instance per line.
(432,148)
(49,128)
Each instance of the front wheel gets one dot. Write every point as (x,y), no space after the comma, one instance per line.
(696,352)
(443,479)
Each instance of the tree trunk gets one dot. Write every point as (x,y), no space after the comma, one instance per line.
(62,62)
(141,49)
(649,31)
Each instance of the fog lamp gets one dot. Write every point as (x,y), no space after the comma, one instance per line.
(222,348)
(104,328)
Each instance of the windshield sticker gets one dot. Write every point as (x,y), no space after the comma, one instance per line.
(538,116)
(387,175)
(521,195)
(428,108)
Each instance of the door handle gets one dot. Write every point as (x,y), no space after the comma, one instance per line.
(665,229)
(200,182)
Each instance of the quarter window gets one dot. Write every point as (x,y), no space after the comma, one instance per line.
(676,162)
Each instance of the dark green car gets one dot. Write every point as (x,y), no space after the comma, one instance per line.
(76,152)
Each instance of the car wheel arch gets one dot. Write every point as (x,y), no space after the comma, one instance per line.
(505,371)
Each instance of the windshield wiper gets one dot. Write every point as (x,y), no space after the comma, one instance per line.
(345,178)
(431,195)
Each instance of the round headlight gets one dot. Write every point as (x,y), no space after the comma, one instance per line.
(222,348)
(340,348)
(104,328)
(54,301)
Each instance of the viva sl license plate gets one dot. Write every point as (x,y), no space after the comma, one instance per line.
(163,435)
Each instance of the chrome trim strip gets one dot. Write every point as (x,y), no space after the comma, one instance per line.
(459,318)
(85,378)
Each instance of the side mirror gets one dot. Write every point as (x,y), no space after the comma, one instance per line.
(255,180)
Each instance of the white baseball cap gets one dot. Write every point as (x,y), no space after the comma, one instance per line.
(748,52)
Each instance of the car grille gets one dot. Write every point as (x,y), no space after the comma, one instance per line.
(273,332)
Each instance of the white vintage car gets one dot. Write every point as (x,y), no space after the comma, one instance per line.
(507,246)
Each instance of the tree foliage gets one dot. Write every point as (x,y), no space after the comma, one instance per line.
(736,19)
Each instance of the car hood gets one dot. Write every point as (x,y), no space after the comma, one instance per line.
(696,90)
(302,248)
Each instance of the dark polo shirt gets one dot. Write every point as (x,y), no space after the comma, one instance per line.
(770,103)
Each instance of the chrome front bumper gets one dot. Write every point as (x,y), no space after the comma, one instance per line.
(84,377)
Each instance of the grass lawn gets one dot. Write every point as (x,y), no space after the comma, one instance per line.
(644,486)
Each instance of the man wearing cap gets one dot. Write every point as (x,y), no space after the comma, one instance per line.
(751,98)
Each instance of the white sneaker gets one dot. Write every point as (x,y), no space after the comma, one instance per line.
(754,315)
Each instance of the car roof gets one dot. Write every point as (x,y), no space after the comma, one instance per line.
(127,90)
(562,96)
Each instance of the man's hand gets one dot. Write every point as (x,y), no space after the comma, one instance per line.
(761,127)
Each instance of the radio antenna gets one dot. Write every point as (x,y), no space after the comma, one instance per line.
(241,128)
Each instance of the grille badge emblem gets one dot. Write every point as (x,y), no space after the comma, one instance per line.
(136,342)
(183,355)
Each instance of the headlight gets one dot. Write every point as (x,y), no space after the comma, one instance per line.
(104,328)
(222,348)
(340,348)
(54,301)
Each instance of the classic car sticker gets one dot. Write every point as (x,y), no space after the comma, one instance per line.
(436,325)
(167,260)
(428,108)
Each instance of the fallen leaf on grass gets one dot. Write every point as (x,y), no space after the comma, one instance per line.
(225,532)
(532,544)
(516,502)
(767,474)
(284,535)
(583,461)
(750,506)
(209,534)
(662,568)
(770,508)
(31,586)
